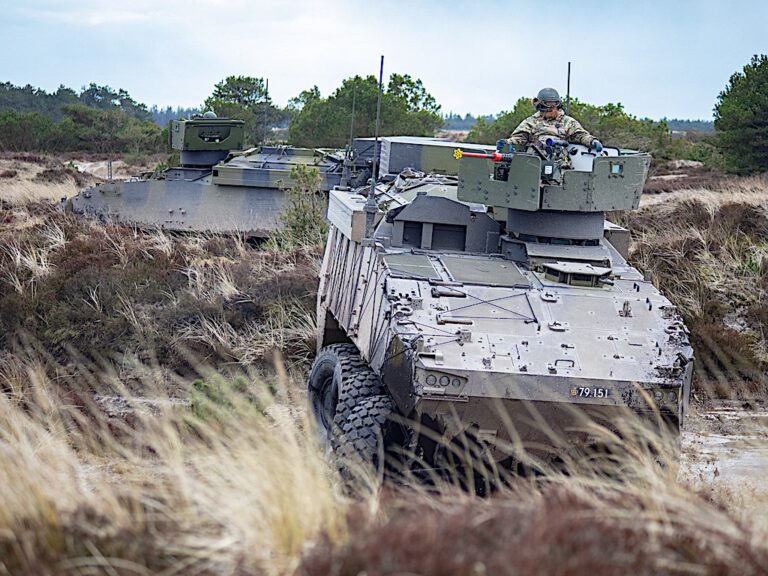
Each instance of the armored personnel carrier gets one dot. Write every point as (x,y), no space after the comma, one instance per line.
(216,188)
(490,300)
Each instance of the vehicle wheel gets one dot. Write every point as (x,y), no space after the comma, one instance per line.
(359,384)
(339,379)
(363,435)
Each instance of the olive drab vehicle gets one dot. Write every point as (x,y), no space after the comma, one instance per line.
(491,302)
(216,188)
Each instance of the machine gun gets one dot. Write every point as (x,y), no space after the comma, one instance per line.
(553,155)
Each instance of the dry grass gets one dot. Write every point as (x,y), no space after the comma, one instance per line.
(107,291)
(239,490)
(25,192)
(233,484)
(747,190)
(708,252)
(28,178)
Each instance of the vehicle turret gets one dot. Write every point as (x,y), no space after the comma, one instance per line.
(206,140)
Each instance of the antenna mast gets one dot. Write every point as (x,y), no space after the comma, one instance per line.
(568,94)
(266,108)
(370,205)
(344,183)
(352,121)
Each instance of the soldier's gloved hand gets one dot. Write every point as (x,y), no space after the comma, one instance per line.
(597,145)
(500,145)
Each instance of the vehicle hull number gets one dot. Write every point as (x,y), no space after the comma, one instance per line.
(590,392)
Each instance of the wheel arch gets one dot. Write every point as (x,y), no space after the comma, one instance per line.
(330,331)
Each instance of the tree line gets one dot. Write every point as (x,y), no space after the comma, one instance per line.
(100,119)
(96,119)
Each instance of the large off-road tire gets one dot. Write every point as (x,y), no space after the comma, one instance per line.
(358,385)
(363,436)
(339,379)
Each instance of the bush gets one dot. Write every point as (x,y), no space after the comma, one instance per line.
(304,223)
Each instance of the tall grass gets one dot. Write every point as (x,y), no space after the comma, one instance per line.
(233,483)
(620,509)
(70,282)
(239,488)
(708,254)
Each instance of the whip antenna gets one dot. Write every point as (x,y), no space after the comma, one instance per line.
(266,109)
(344,183)
(568,93)
(352,120)
(370,204)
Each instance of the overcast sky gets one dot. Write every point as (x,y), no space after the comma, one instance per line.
(659,58)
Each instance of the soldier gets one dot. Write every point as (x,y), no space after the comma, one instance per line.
(550,122)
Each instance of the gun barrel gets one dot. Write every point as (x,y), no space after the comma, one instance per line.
(495,156)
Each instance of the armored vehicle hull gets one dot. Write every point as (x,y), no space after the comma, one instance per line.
(496,306)
(214,189)
(245,194)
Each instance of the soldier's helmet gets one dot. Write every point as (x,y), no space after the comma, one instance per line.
(546,99)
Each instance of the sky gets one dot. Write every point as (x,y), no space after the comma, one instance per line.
(658,58)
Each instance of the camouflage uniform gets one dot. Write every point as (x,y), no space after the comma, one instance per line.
(536,128)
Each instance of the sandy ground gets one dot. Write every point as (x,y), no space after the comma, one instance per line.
(30,177)
(100,169)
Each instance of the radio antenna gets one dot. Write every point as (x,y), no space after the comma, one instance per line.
(266,108)
(370,204)
(344,183)
(352,120)
(568,93)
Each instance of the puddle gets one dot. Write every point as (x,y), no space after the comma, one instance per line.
(726,443)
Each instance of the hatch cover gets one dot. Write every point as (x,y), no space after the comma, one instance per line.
(485,271)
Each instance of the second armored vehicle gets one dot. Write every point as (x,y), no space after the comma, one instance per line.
(217,187)
(491,304)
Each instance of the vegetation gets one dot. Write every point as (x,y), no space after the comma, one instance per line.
(406,108)
(610,123)
(98,480)
(246,98)
(52,105)
(709,255)
(147,425)
(82,128)
(162,116)
(741,118)
(97,119)
(107,290)
(453,121)
(100,119)
(702,126)
(304,222)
